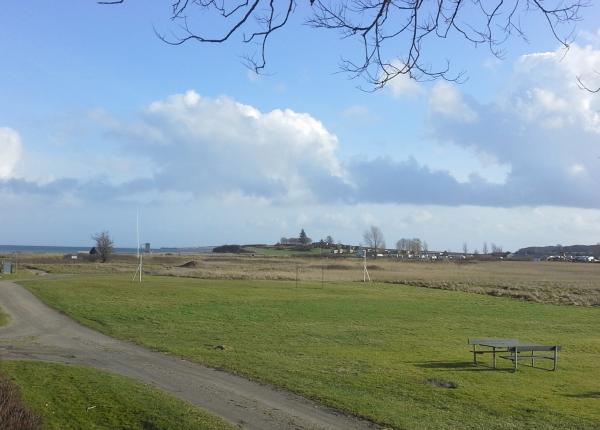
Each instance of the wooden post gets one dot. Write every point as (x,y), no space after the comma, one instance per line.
(494,355)
(555,358)
(475,354)
(516,357)
(532,359)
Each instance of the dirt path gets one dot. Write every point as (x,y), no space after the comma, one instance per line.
(37,332)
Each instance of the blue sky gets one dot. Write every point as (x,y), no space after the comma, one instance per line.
(99,118)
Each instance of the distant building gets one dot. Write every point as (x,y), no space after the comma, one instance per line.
(147,248)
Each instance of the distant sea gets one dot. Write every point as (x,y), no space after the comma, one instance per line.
(6,249)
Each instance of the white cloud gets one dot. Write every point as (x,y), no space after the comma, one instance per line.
(402,86)
(252,76)
(10,151)
(221,145)
(549,90)
(577,169)
(543,127)
(445,99)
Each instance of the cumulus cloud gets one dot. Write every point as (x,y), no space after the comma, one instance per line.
(403,86)
(545,88)
(10,151)
(220,145)
(446,100)
(544,127)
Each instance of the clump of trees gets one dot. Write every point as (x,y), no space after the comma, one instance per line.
(411,246)
(104,245)
(496,249)
(302,239)
(229,249)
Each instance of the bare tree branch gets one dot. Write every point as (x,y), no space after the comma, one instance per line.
(394,34)
(583,86)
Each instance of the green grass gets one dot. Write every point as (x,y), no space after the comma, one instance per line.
(78,397)
(366,349)
(21,274)
(3,318)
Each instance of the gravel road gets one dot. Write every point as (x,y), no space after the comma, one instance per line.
(37,332)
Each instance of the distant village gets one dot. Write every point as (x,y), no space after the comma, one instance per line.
(417,249)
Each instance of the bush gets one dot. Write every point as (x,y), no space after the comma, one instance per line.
(14,414)
(229,249)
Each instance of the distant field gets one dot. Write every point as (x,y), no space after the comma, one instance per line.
(543,282)
(77,397)
(366,349)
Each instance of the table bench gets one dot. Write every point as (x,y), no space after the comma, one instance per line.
(514,350)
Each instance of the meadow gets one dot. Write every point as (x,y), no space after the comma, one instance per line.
(384,351)
(541,282)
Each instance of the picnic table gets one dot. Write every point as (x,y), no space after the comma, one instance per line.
(514,350)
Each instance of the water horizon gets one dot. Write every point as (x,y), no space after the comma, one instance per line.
(56,249)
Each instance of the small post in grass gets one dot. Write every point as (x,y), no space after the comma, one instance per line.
(322,267)
(365,271)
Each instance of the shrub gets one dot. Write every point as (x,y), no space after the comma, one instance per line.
(14,414)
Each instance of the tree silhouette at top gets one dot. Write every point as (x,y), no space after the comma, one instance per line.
(395,37)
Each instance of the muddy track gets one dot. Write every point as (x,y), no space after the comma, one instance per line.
(37,332)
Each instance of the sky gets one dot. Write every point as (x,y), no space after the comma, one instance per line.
(100,119)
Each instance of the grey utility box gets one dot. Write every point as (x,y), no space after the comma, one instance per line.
(7,267)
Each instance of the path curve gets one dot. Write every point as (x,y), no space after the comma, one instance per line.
(38,332)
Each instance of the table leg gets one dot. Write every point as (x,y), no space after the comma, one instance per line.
(516,358)
(555,358)
(532,360)
(475,355)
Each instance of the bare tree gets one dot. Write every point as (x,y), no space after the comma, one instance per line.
(373,238)
(465,248)
(484,250)
(496,249)
(402,245)
(104,245)
(393,34)
(415,246)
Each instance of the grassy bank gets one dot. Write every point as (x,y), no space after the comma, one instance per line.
(77,397)
(367,349)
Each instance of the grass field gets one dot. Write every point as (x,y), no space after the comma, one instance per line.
(541,282)
(366,349)
(77,397)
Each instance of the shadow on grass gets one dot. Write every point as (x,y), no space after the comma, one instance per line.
(467,366)
(587,395)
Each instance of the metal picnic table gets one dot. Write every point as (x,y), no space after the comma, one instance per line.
(513,350)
